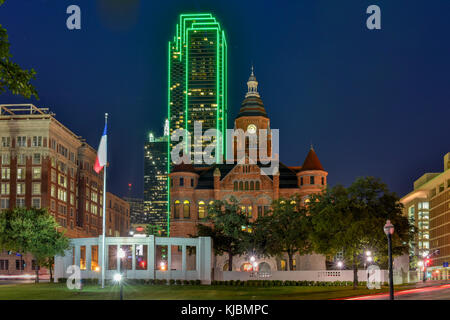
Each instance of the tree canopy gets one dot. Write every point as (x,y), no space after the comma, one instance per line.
(286,229)
(12,76)
(350,220)
(227,232)
(32,231)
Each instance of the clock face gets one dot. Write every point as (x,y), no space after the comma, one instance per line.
(251,128)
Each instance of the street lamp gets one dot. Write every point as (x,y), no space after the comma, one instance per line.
(340,264)
(389,231)
(118,279)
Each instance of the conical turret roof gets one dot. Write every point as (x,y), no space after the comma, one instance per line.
(312,161)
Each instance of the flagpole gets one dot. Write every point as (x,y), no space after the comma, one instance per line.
(104,207)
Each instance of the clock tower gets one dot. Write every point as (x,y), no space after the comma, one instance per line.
(252,117)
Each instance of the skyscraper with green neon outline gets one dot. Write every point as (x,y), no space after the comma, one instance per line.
(197,81)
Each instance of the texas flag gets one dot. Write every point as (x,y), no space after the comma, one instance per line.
(100,161)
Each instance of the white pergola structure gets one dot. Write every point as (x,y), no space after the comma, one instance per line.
(142,260)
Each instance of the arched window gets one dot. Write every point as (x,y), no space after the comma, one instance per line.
(311,180)
(246,185)
(252,185)
(241,185)
(257,185)
(186,209)
(235,186)
(201,210)
(181,181)
(323,180)
(176,209)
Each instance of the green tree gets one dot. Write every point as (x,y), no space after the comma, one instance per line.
(33,231)
(227,231)
(285,230)
(12,76)
(351,220)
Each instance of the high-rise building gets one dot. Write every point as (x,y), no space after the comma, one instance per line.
(137,214)
(198,78)
(155,182)
(44,164)
(426,206)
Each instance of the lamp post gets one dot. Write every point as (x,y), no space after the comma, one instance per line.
(118,277)
(389,231)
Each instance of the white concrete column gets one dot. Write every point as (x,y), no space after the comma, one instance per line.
(88,257)
(169,261)
(151,257)
(118,258)
(183,260)
(133,256)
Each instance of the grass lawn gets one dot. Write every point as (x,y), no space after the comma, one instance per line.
(58,291)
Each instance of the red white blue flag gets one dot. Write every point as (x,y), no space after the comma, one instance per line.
(100,161)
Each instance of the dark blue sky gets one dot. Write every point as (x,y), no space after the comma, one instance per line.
(372,102)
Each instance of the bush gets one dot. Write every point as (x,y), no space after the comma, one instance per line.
(192,282)
(178,282)
(185,282)
(231,283)
(198,282)
(171,282)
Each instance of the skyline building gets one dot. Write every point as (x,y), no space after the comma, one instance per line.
(155,181)
(197,81)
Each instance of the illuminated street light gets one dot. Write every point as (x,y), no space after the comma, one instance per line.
(420,263)
(162,266)
(340,264)
(252,259)
(369,259)
(117,277)
(368,253)
(389,231)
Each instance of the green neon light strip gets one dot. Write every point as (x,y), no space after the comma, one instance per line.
(168,141)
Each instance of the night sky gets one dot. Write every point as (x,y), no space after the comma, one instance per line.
(371,102)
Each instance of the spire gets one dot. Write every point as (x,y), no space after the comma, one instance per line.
(252,85)
(312,161)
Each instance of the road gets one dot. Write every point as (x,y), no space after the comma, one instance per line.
(439,292)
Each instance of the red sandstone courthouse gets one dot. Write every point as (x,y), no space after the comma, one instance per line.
(193,188)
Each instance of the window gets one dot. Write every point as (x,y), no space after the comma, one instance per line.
(186,209)
(5,158)
(62,181)
(201,210)
(301,181)
(34,265)
(246,185)
(323,180)
(37,141)
(192,182)
(4,264)
(20,202)
(257,185)
(5,189)
(21,188)
(441,187)
(72,199)
(252,185)
(241,186)
(6,173)
(176,210)
(94,196)
(20,264)
(260,211)
(235,186)
(311,180)
(94,208)
(21,141)
(36,203)
(181,182)
(21,159)
(36,188)
(36,172)
(36,158)
(6,142)
(53,191)
(20,173)
(53,175)
(4,203)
